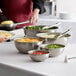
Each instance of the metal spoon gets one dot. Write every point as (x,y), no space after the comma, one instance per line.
(49,27)
(66,59)
(11,26)
(64,32)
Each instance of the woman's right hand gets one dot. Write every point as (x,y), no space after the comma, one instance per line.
(35,16)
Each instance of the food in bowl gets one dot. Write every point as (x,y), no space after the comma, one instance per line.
(38,55)
(6,34)
(7,25)
(34,27)
(40,27)
(28,40)
(39,52)
(25,44)
(54,46)
(7,22)
(48,35)
(54,49)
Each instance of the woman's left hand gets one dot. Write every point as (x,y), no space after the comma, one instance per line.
(35,16)
(2,38)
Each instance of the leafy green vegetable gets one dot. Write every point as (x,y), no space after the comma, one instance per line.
(40,28)
(34,28)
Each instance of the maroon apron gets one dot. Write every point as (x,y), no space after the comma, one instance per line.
(18,10)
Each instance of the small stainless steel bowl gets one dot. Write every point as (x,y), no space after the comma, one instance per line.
(53,52)
(48,37)
(24,47)
(53,38)
(38,57)
(7,27)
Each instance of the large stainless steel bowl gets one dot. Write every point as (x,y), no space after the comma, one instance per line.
(32,33)
(24,47)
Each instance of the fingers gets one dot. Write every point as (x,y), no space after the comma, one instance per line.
(2,38)
(34,18)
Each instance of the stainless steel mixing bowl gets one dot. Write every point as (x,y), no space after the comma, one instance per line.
(24,47)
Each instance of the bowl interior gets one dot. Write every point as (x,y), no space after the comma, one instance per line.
(48,35)
(33,27)
(54,46)
(38,52)
(41,27)
(28,40)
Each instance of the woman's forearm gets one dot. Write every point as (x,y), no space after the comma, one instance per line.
(35,16)
(36,10)
(39,4)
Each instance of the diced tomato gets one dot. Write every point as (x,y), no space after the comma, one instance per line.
(39,52)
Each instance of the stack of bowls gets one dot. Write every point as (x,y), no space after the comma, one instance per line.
(38,40)
(53,43)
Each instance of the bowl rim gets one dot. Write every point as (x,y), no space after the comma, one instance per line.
(63,46)
(31,26)
(38,35)
(39,26)
(28,42)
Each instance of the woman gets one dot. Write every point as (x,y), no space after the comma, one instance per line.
(22,10)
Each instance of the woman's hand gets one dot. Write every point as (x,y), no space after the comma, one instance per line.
(0,11)
(35,16)
(2,38)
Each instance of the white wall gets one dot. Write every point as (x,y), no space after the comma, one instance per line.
(68,6)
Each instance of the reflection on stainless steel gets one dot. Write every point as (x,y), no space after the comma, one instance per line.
(64,32)
(51,27)
(10,26)
(67,59)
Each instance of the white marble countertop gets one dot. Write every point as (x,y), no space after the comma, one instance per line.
(55,19)
(9,56)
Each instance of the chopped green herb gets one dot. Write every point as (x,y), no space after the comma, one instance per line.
(40,28)
(33,27)
(54,46)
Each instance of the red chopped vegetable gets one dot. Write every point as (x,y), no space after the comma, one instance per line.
(39,52)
